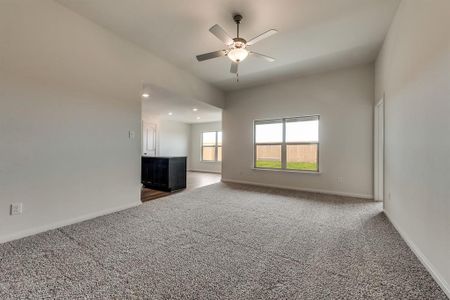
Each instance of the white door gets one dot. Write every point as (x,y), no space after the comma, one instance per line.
(148,139)
(379,151)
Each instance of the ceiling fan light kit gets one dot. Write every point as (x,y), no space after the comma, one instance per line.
(237,54)
(237,47)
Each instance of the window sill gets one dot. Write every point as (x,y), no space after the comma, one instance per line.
(210,161)
(287,171)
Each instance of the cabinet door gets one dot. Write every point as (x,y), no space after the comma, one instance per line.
(177,173)
(160,172)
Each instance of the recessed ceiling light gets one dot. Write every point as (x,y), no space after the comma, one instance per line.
(198,118)
(145,95)
(195,109)
(170,113)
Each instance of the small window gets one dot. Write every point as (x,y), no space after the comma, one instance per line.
(212,146)
(287,144)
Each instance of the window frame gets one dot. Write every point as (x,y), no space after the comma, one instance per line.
(216,146)
(284,144)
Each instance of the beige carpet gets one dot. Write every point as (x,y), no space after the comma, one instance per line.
(221,242)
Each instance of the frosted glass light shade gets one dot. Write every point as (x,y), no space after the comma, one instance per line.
(238,54)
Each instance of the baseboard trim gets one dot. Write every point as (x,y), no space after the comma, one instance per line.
(445,286)
(205,171)
(337,193)
(44,228)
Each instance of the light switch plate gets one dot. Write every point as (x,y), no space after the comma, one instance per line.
(16,209)
(131,134)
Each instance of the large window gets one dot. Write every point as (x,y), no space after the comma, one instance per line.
(212,146)
(287,144)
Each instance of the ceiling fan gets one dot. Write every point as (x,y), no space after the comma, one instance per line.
(237,47)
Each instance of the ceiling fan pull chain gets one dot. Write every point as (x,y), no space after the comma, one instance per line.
(237,77)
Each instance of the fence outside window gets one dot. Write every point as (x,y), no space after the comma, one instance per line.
(287,144)
(212,146)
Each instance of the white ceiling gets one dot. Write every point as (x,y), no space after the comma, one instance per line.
(314,35)
(162,102)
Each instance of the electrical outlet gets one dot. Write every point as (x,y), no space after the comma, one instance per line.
(340,179)
(16,209)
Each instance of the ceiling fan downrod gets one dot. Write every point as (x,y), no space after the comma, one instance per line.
(237,19)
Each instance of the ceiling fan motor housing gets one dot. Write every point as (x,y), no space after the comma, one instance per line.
(239,43)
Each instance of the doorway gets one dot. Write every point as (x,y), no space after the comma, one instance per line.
(149,139)
(379,151)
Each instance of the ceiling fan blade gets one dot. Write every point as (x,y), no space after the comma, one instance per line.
(211,55)
(267,58)
(221,34)
(262,36)
(234,68)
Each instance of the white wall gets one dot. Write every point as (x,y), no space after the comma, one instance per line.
(173,138)
(195,155)
(344,100)
(413,70)
(47,40)
(65,154)
(69,94)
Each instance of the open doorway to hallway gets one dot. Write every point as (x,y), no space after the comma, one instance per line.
(181,143)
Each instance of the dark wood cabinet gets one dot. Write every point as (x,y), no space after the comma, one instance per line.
(164,173)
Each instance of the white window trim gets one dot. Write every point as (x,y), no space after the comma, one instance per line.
(284,144)
(216,146)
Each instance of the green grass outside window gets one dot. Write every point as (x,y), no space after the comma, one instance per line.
(302,166)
